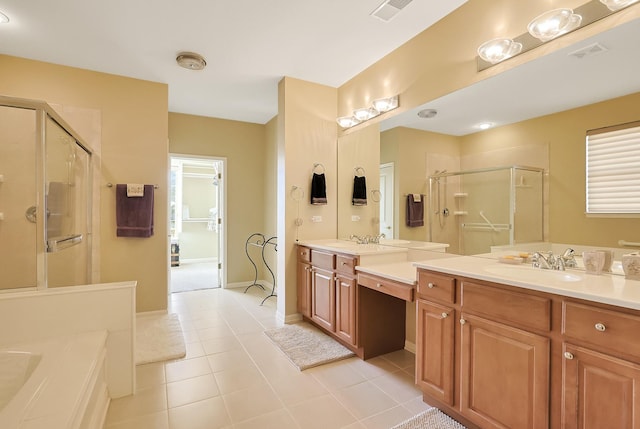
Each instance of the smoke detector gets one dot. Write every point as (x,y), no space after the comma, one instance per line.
(191,61)
(427,113)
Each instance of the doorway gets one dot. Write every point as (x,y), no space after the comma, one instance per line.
(196,227)
(386,200)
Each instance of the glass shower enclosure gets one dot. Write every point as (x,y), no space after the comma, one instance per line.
(45,198)
(488,207)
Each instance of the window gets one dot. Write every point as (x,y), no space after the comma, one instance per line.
(613,170)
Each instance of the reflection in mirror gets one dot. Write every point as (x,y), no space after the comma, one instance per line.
(541,111)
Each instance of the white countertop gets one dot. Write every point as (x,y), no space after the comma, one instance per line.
(604,288)
(403,272)
(351,247)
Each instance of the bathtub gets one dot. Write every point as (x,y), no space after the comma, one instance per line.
(54,384)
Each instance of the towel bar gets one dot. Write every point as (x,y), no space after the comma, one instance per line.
(628,243)
(110,185)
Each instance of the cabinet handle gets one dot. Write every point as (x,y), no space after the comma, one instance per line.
(431,285)
(600,327)
(444,315)
(462,321)
(568,355)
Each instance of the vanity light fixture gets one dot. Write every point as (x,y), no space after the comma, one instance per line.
(365,113)
(191,61)
(3,18)
(381,105)
(497,50)
(554,23)
(615,5)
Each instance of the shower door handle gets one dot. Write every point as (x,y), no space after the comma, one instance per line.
(30,214)
(60,243)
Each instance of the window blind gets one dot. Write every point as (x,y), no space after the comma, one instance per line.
(613,170)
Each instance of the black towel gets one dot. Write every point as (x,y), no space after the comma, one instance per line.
(134,215)
(318,189)
(359,191)
(415,211)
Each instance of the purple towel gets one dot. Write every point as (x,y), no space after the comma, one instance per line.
(134,215)
(415,211)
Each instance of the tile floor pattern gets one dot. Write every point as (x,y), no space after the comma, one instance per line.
(234,377)
(190,276)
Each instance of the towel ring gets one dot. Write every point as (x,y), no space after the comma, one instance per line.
(359,169)
(376,195)
(320,166)
(296,193)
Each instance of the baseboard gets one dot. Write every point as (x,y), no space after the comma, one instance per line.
(291,318)
(410,347)
(152,313)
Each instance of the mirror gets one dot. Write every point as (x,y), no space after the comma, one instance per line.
(552,90)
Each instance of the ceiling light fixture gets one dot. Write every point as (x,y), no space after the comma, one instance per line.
(615,5)
(497,50)
(3,18)
(191,61)
(485,125)
(554,23)
(378,106)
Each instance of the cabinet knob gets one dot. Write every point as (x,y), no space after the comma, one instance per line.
(462,321)
(431,285)
(378,285)
(444,315)
(568,355)
(344,263)
(600,327)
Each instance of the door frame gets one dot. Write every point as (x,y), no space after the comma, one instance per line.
(388,200)
(222,214)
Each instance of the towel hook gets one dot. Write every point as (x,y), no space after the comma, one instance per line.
(359,169)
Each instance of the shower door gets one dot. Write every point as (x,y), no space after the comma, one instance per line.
(67,202)
(18,178)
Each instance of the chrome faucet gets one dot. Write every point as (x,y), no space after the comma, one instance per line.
(551,262)
(376,239)
(360,240)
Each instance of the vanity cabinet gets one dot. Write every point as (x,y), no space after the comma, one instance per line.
(327,291)
(518,358)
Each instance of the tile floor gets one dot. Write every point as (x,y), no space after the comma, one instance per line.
(234,377)
(190,276)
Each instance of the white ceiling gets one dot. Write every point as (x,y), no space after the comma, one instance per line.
(249,45)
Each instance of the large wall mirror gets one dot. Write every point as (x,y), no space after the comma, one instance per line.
(541,111)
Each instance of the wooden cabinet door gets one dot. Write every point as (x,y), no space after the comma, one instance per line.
(304,289)
(323,300)
(504,375)
(346,308)
(599,391)
(434,350)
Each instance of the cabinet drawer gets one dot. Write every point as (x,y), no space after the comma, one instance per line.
(346,264)
(610,329)
(323,260)
(507,306)
(389,287)
(304,254)
(435,286)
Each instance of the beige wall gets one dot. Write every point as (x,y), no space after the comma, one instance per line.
(306,134)
(244,147)
(134,149)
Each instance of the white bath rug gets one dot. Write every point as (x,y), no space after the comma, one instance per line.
(306,346)
(433,418)
(158,338)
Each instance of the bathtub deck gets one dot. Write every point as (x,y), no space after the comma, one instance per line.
(68,388)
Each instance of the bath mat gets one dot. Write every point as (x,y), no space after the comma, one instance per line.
(306,346)
(158,338)
(433,418)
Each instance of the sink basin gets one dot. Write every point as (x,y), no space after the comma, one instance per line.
(533,274)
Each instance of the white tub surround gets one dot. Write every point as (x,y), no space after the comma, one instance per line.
(36,316)
(604,288)
(67,389)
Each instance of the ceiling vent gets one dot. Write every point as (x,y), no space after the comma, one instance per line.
(389,8)
(592,49)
